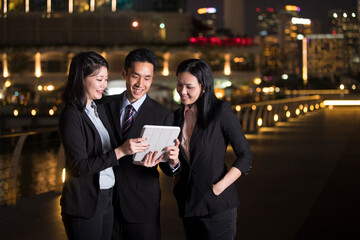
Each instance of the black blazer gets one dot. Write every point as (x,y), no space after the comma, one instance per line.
(193,185)
(138,189)
(84,160)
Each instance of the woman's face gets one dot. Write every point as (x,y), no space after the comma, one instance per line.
(95,84)
(188,88)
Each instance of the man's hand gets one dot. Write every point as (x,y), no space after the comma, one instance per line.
(151,159)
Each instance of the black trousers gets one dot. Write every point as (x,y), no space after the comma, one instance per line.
(98,227)
(123,230)
(219,226)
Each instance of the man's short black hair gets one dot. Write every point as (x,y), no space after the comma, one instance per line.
(140,55)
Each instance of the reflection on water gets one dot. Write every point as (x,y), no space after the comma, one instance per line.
(37,167)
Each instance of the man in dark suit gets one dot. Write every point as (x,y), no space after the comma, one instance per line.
(137,189)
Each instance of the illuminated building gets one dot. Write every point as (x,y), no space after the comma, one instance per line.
(292,29)
(267,22)
(325,56)
(268,27)
(208,16)
(346,23)
(234,12)
(281,33)
(270,58)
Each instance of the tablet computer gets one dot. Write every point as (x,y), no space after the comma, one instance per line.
(159,137)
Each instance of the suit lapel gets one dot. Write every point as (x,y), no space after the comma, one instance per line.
(194,139)
(92,126)
(115,113)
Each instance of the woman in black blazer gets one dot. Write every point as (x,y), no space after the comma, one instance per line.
(86,202)
(204,189)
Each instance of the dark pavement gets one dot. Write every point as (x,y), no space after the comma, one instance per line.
(304,184)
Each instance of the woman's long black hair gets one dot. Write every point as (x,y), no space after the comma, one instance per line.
(207,102)
(82,65)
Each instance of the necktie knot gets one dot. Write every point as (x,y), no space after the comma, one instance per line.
(129,117)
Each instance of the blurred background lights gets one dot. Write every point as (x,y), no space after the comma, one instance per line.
(63,175)
(206,10)
(37,65)
(135,24)
(288,114)
(276,117)
(33,112)
(7,83)
(176,96)
(16,113)
(239,59)
(257,81)
(302,21)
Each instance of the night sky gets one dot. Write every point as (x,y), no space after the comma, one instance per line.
(313,9)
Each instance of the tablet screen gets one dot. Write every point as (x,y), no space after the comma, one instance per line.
(159,137)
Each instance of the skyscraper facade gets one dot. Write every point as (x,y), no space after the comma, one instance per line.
(234,16)
(325,56)
(347,23)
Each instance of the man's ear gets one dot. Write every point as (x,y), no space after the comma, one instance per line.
(123,73)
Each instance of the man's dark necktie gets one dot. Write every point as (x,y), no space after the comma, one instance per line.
(129,117)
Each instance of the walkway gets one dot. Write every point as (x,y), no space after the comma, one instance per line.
(304,184)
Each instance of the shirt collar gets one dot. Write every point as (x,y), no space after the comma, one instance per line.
(88,109)
(136,104)
(193,109)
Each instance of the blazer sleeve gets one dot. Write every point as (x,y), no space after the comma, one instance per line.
(83,154)
(164,166)
(234,135)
